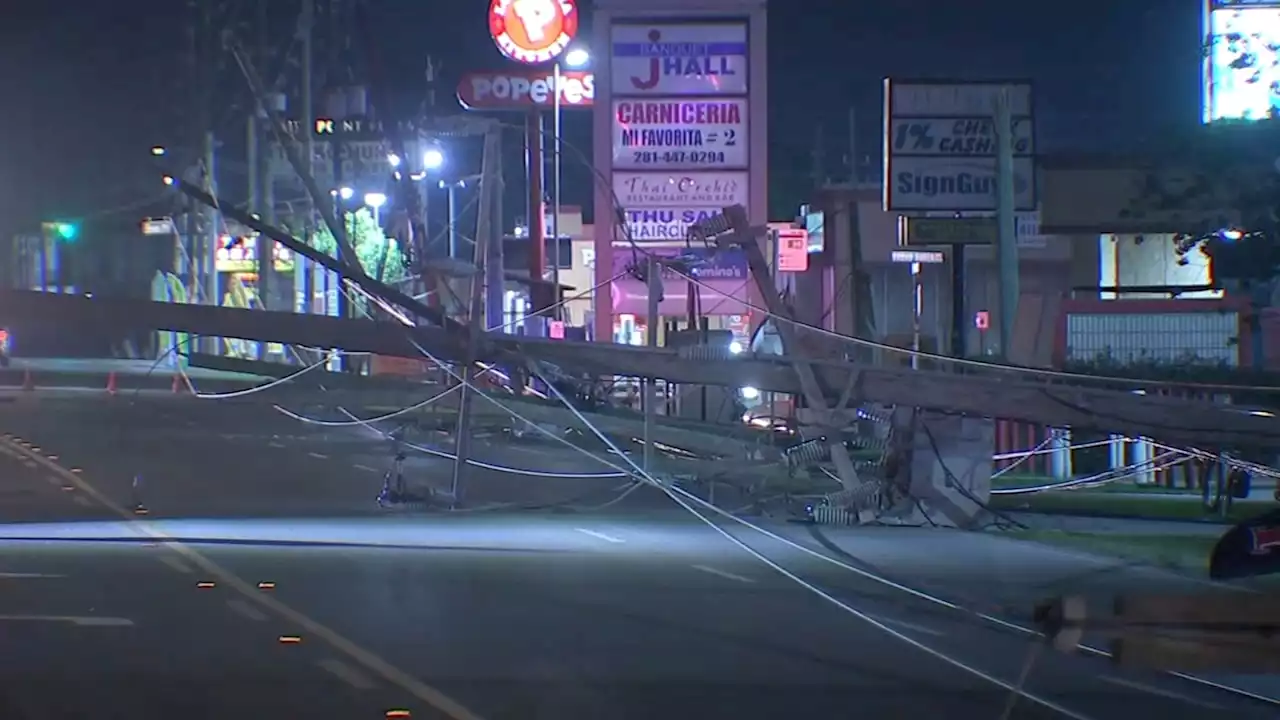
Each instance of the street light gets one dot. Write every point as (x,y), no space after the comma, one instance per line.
(375,201)
(575,58)
(432,159)
(346,193)
(393,160)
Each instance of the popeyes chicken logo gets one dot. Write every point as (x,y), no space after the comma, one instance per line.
(533,31)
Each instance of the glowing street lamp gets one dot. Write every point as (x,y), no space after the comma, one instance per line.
(432,159)
(375,201)
(577,58)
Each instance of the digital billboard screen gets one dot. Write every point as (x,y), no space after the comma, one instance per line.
(1242,61)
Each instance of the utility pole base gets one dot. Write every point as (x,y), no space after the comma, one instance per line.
(950,467)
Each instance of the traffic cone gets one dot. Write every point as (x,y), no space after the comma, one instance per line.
(28,382)
(111,383)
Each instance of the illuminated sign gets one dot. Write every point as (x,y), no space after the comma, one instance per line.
(666,134)
(923,257)
(941,150)
(240,255)
(793,250)
(524,89)
(158,226)
(1242,61)
(532,31)
(689,59)
(662,206)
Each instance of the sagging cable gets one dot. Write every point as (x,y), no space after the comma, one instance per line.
(675,494)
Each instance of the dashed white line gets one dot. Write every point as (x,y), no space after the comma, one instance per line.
(275,444)
(366,467)
(240,607)
(346,673)
(600,536)
(723,574)
(26,575)
(84,621)
(318,456)
(175,563)
(1143,687)
(81,500)
(906,625)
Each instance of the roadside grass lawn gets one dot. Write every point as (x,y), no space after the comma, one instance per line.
(1159,506)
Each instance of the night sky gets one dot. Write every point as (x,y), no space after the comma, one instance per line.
(89,85)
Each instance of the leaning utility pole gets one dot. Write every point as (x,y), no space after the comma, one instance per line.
(260,180)
(733,230)
(306,28)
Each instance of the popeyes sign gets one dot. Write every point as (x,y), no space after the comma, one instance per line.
(532,31)
(524,89)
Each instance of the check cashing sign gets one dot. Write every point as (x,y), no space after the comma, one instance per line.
(940,146)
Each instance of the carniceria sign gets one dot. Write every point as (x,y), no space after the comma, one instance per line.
(666,134)
(941,146)
(662,206)
(692,59)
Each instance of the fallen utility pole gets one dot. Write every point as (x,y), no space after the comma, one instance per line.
(1238,632)
(289,145)
(348,272)
(732,229)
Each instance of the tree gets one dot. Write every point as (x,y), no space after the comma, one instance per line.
(1221,193)
(373,249)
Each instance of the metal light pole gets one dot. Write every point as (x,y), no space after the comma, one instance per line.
(555,183)
(575,58)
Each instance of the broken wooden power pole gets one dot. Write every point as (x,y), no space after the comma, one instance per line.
(733,230)
(1222,631)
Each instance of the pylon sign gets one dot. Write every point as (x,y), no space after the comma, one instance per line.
(533,31)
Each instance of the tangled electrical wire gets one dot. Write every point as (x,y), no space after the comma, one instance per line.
(702,510)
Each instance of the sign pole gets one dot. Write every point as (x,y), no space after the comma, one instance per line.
(653,276)
(959,341)
(1006,239)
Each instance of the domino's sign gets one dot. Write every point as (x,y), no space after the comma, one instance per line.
(941,142)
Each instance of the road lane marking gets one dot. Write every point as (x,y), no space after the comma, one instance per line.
(1151,689)
(175,563)
(275,444)
(600,536)
(347,674)
(907,625)
(366,467)
(240,607)
(26,575)
(82,621)
(81,500)
(318,456)
(375,664)
(723,574)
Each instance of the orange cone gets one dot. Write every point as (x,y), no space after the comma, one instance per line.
(111,383)
(28,382)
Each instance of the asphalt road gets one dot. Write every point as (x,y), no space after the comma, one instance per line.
(259,527)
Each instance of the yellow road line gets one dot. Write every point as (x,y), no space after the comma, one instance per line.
(424,692)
